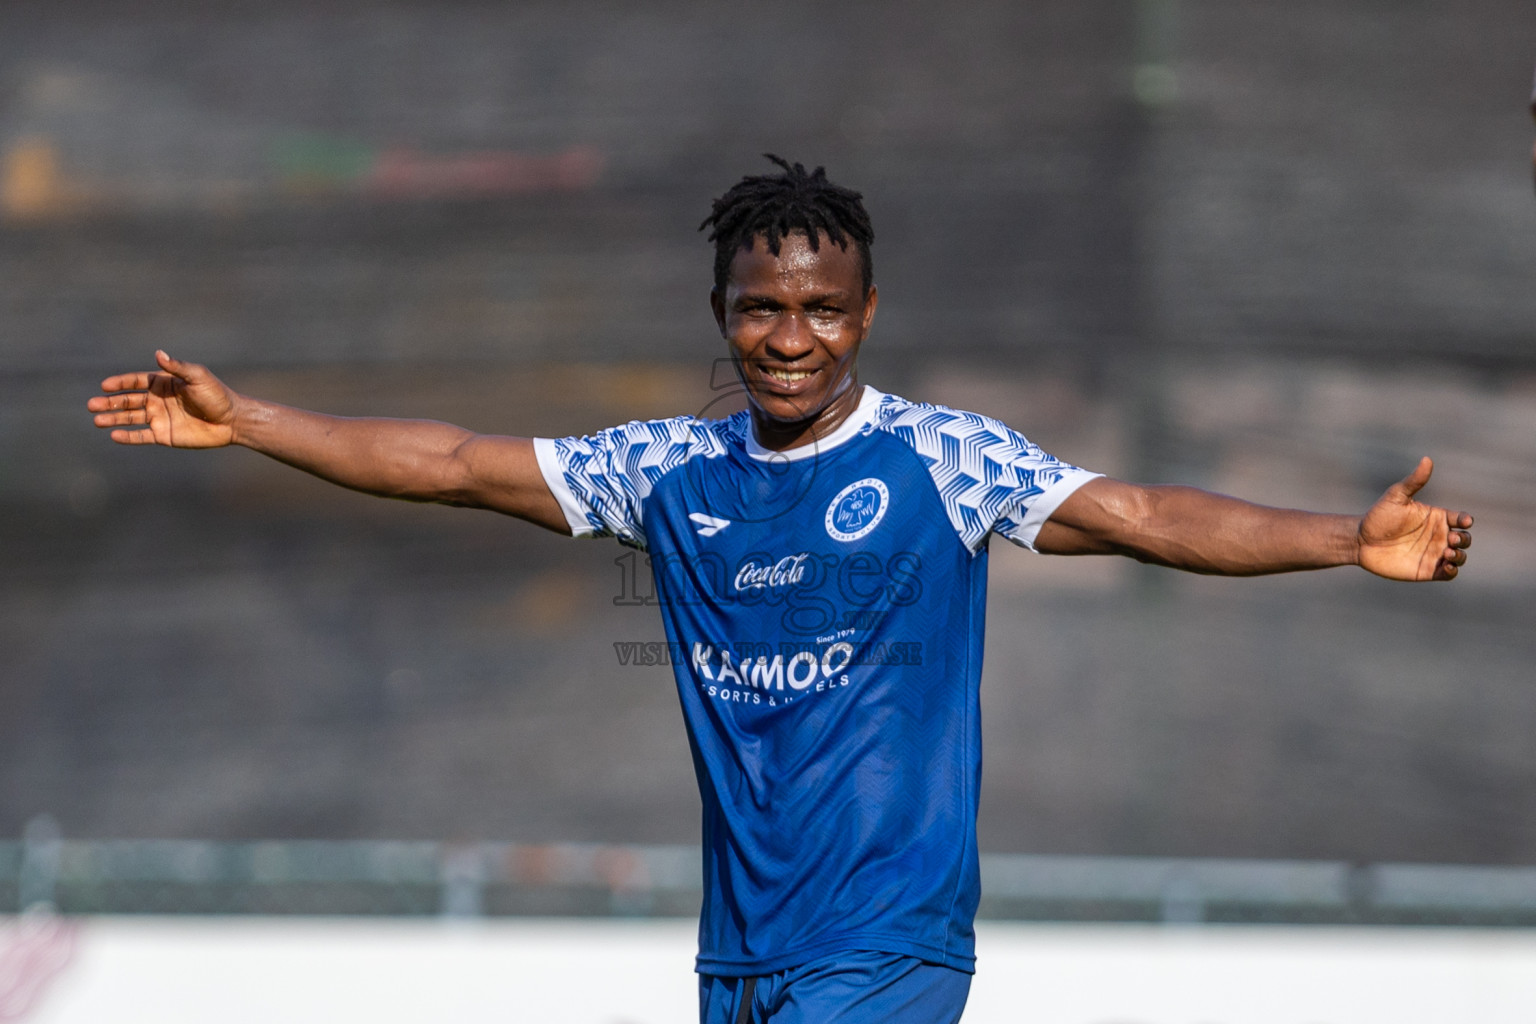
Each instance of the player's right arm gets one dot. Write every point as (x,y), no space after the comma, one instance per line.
(183,405)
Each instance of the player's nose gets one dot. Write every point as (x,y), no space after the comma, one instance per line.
(791,337)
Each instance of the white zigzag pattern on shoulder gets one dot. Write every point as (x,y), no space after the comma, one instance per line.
(612,472)
(985,472)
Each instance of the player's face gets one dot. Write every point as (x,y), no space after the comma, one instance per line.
(794,323)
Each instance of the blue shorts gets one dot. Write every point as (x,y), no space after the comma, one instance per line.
(848,988)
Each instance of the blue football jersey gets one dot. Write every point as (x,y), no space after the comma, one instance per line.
(825,609)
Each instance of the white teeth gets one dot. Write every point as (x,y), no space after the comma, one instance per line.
(789,376)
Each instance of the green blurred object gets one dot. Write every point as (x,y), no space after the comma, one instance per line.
(321,163)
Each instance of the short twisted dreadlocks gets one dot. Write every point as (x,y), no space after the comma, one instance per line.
(776,205)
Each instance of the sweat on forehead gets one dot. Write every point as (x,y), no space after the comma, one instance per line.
(797,255)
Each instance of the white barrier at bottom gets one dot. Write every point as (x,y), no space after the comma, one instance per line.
(239,970)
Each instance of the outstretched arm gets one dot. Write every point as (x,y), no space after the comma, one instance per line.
(1186,528)
(183,405)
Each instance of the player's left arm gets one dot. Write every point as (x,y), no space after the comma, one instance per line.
(1187,528)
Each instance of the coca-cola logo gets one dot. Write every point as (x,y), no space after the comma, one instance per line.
(786,572)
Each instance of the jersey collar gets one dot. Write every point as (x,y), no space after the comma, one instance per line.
(862,415)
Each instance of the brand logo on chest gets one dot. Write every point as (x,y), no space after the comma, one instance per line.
(786,572)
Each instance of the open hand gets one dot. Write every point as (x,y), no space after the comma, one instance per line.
(1403,539)
(182,406)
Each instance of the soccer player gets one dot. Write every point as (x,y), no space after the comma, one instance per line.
(820,560)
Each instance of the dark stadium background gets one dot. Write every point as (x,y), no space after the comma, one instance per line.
(1280,250)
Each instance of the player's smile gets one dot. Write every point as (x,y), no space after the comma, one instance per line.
(794,323)
(787,376)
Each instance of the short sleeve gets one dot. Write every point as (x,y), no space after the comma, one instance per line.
(1021,517)
(602,480)
(990,477)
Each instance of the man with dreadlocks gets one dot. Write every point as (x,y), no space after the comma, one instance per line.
(821,558)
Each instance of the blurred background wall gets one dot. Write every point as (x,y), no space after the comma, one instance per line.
(1275,250)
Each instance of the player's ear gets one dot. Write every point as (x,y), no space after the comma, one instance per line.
(871,300)
(717,305)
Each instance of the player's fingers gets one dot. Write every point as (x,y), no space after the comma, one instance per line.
(1455,556)
(176,367)
(127,382)
(122,418)
(133,436)
(1446,571)
(130,400)
(1460,539)
(1410,484)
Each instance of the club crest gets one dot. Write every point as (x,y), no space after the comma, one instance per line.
(857,509)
